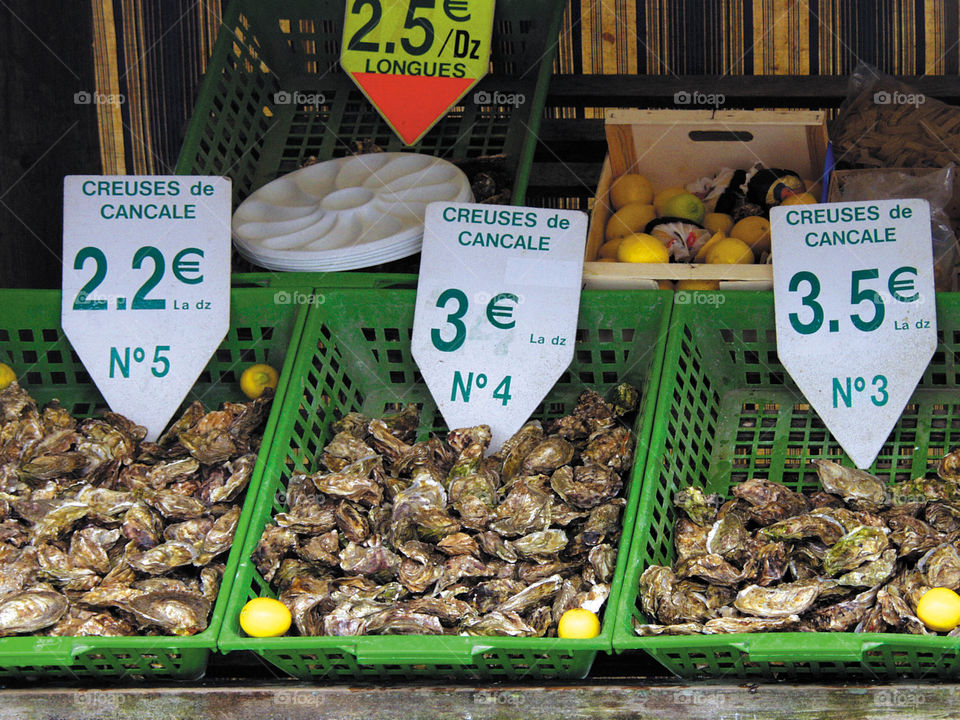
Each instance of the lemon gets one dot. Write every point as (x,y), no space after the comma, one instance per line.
(578,623)
(265,617)
(642,248)
(729,251)
(701,255)
(609,248)
(629,219)
(256,378)
(684,205)
(800,199)
(754,231)
(939,609)
(698,284)
(718,222)
(630,188)
(7,375)
(661,197)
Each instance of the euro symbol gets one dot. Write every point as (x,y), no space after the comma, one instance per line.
(495,312)
(453,7)
(906,285)
(183,269)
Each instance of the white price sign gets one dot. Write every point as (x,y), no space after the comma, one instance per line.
(146,285)
(496,314)
(856,311)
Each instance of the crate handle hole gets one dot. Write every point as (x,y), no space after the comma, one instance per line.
(720,136)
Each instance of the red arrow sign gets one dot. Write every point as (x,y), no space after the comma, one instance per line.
(412,105)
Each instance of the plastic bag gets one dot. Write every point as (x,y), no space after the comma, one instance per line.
(935,186)
(886,123)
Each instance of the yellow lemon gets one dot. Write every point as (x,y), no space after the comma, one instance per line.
(701,255)
(684,205)
(256,378)
(661,197)
(630,188)
(642,248)
(718,222)
(629,219)
(698,284)
(754,231)
(265,617)
(578,623)
(800,199)
(609,249)
(729,251)
(7,375)
(939,609)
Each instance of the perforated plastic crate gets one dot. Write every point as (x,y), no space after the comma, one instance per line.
(355,356)
(729,412)
(238,129)
(32,342)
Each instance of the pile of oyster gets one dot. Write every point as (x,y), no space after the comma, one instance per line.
(854,556)
(104,533)
(395,536)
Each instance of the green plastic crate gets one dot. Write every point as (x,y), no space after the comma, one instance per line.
(355,356)
(729,412)
(294,46)
(33,343)
(300,280)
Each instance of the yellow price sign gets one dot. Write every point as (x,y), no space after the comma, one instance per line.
(414,59)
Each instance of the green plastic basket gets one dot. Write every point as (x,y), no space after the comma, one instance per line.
(729,412)
(32,342)
(301,280)
(355,356)
(294,46)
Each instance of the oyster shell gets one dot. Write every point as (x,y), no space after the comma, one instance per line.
(856,487)
(786,599)
(863,545)
(30,610)
(176,612)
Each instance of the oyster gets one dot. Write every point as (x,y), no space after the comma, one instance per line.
(809,525)
(711,568)
(941,567)
(542,545)
(141,526)
(844,615)
(700,508)
(498,623)
(587,485)
(863,545)
(873,573)
(783,600)
(548,455)
(645,630)
(723,625)
(525,509)
(516,449)
(856,487)
(179,613)
(30,610)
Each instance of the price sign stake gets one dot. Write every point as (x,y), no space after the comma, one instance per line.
(414,59)
(496,313)
(146,285)
(856,312)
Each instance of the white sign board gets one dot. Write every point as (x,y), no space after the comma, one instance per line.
(146,285)
(856,311)
(496,313)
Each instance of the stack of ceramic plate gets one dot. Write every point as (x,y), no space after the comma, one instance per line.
(347,213)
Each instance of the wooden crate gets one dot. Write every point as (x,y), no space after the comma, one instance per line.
(676,147)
